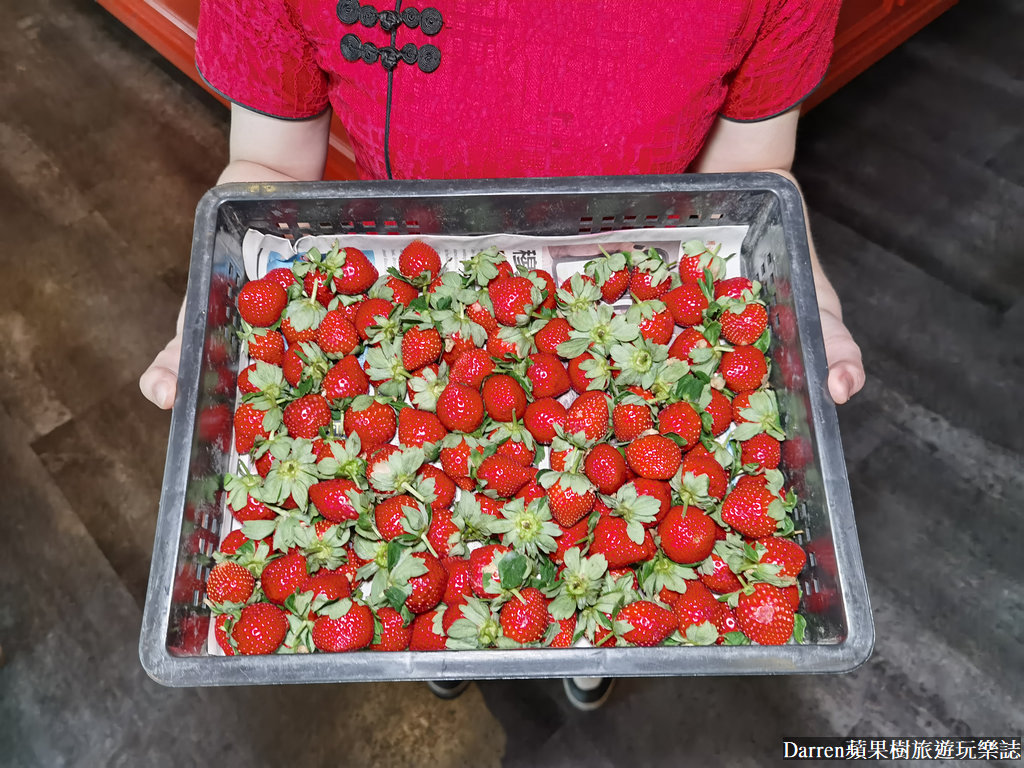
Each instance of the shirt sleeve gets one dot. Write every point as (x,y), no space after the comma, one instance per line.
(787,61)
(255,54)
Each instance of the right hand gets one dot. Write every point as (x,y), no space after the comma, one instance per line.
(160,381)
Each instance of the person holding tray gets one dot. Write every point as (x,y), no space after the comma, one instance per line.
(500,89)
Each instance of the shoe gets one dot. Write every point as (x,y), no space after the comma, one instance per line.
(447,689)
(588,699)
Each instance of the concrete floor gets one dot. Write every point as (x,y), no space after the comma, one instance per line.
(915,178)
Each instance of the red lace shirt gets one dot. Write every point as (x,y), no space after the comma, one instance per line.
(506,88)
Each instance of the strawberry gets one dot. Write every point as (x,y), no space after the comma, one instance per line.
(370,314)
(763,450)
(319,282)
(630,420)
(725,621)
(680,419)
(746,509)
(343,626)
(526,618)
(699,465)
(333,585)
(552,333)
(418,260)
(687,535)
(221,630)
(261,302)
(567,628)
(575,536)
(336,335)
(605,467)
(394,635)
(345,380)
(444,488)
(765,615)
(283,276)
(248,423)
(356,275)
(616,285)
(695,606)
(417,428)
(657,489)
(548,376)
(403,292)
(548,291)
(746,326)
(374,422)
(283,576)
(484,562)
(267,346)
(245,386)
(254,509)
(513,299)
(427,633)
(304,417)
(612,541)
(456,459)
(655,457)
(786,553)
(686,304)
(589,414)
(502,475)
(504,398)
(640,285)
(427,588)
(658,327)
(649,623)
(471,368)
(460,408)
(744,369)
(260,629)
(733,287)
(570,496)
(720,410)
(692,266)
(441,529)
(515,448)
(541,417)
(420,347)
(482,317)
(389,513)
(721,579)
(685,343)
(331,499)
(234,541)
(229,583)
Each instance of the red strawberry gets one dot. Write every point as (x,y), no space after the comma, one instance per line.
(233,542)
(786,553)
(418,258)
(441,529)
(283,276)
(763,450)
(571,537)
(502,475)
(229,583)
(699,465)
(471,368)
(517,450)
(484,562)
(606,468)
(570,497)
(548,375)
(504,398)
(348,631)
(479,315)
(687,535)
(283,576)
(680,419)
(683,344)
(444,488)
(261,302)
(687,304)
(336,335)
(304,417)
(616,285)
(370,313)
(658,328)
(725,621)
(427,633)
(567,628)
(416,427)
(549,291)
(642,289)
(650,623)
(356,275)
(733,287)
(744,369)
(654,456)
(745,327)
(317,280)
(455,461)
(630,420)
(551,334)
(695,606)
(612,541)
(244,385)
(420,347)
(526,619)
(765,615)
(512,299)
(692,266)
(220,631)
(657,489)
(248,422)
(721,412)
(541,417)
(331,499)
(427,588)
(457,588)
(394,635)
(373,421)
(403,292)
(331,584)
(267,346)
(389,513)
(460,408)
(344,380)
(721,579)
(746,510)
(260,629)
(589,414)
(254,509)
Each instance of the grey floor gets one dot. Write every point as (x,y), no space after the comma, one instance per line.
(915,178)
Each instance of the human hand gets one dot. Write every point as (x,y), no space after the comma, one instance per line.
(845,368)
(160,381)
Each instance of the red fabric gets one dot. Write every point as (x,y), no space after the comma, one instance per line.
(527,89)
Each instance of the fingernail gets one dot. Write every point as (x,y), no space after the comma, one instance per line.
(163,395)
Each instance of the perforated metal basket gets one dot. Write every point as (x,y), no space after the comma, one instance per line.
(840,632)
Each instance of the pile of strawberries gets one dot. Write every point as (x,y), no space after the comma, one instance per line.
(391,430)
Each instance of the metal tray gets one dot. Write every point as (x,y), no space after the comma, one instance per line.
(840,631)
